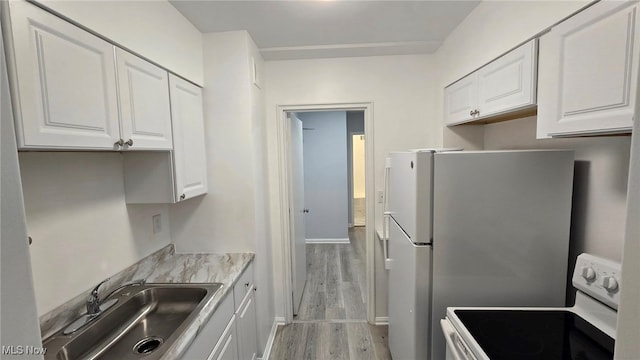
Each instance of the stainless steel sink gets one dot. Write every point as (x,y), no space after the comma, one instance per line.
(143,324)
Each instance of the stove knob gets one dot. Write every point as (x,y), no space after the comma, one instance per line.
(588,273)
(610,283)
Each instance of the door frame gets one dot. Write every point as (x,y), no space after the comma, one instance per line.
(284,148)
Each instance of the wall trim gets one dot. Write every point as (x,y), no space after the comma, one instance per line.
(277,321)
(382,320)
(328,241)
(284,195)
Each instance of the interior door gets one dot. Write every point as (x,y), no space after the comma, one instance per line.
(297,210)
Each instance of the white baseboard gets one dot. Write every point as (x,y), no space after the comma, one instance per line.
(327,241)
(382,320)
(272,336)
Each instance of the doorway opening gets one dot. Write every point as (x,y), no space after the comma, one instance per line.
(329,281)
(342,270)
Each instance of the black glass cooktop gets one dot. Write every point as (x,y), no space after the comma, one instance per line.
(536,335)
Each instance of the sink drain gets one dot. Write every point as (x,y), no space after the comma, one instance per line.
(148,345)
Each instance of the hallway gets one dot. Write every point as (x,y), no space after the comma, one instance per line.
(331,323)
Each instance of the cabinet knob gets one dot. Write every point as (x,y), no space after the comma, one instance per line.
(471,112)
(246,284)
(477,112)
(119,142)
(182,197)
(306,211)
(129,142)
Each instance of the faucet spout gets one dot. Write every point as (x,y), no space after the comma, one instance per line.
(93,301)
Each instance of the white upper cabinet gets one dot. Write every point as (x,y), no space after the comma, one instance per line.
(144,103)
(461,100)
(589,72)
(509,82)
(152,177)
(76,91)
(505,85)
(188,139)
(66,83)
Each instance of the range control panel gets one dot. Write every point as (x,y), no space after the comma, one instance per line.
(599,278)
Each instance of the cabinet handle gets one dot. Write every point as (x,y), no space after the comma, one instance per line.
(182,196)
(129,142)
(119,142)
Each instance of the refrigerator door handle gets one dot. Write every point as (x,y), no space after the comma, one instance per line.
(385,239)
(386,215)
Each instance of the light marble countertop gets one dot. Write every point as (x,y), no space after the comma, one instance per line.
(164,266)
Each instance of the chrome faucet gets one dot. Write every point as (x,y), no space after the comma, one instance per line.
(93,302)
(96,306)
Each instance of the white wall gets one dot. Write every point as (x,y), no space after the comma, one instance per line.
(326,182)
(232,217)
(153,29)
(598,215)
(83,232)
(401,89)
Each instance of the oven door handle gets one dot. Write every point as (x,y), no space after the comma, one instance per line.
(457,349)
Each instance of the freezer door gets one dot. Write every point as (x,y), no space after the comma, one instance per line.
(409,296)
(501,230)
(410,194)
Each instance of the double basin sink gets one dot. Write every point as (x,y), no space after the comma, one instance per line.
(143,324)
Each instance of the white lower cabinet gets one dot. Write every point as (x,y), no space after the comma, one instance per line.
(244,290)
(246,324)
(588,75)
(231,333)
(227,348)
(209,338)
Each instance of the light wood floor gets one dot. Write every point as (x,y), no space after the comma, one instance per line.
(331,322)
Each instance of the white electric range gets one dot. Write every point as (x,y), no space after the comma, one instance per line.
(585,331)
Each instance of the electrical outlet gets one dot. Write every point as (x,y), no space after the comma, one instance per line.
(380,196)
(157,223)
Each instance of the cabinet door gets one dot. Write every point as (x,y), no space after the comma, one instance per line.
(190,163)
(589,72)
(144,103)
(246,326)
(509,82)
(65,80)
(227,347)
(460,100)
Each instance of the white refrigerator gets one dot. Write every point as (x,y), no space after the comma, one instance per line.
(467,228)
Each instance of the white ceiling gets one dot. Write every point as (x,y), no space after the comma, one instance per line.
(295,29)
